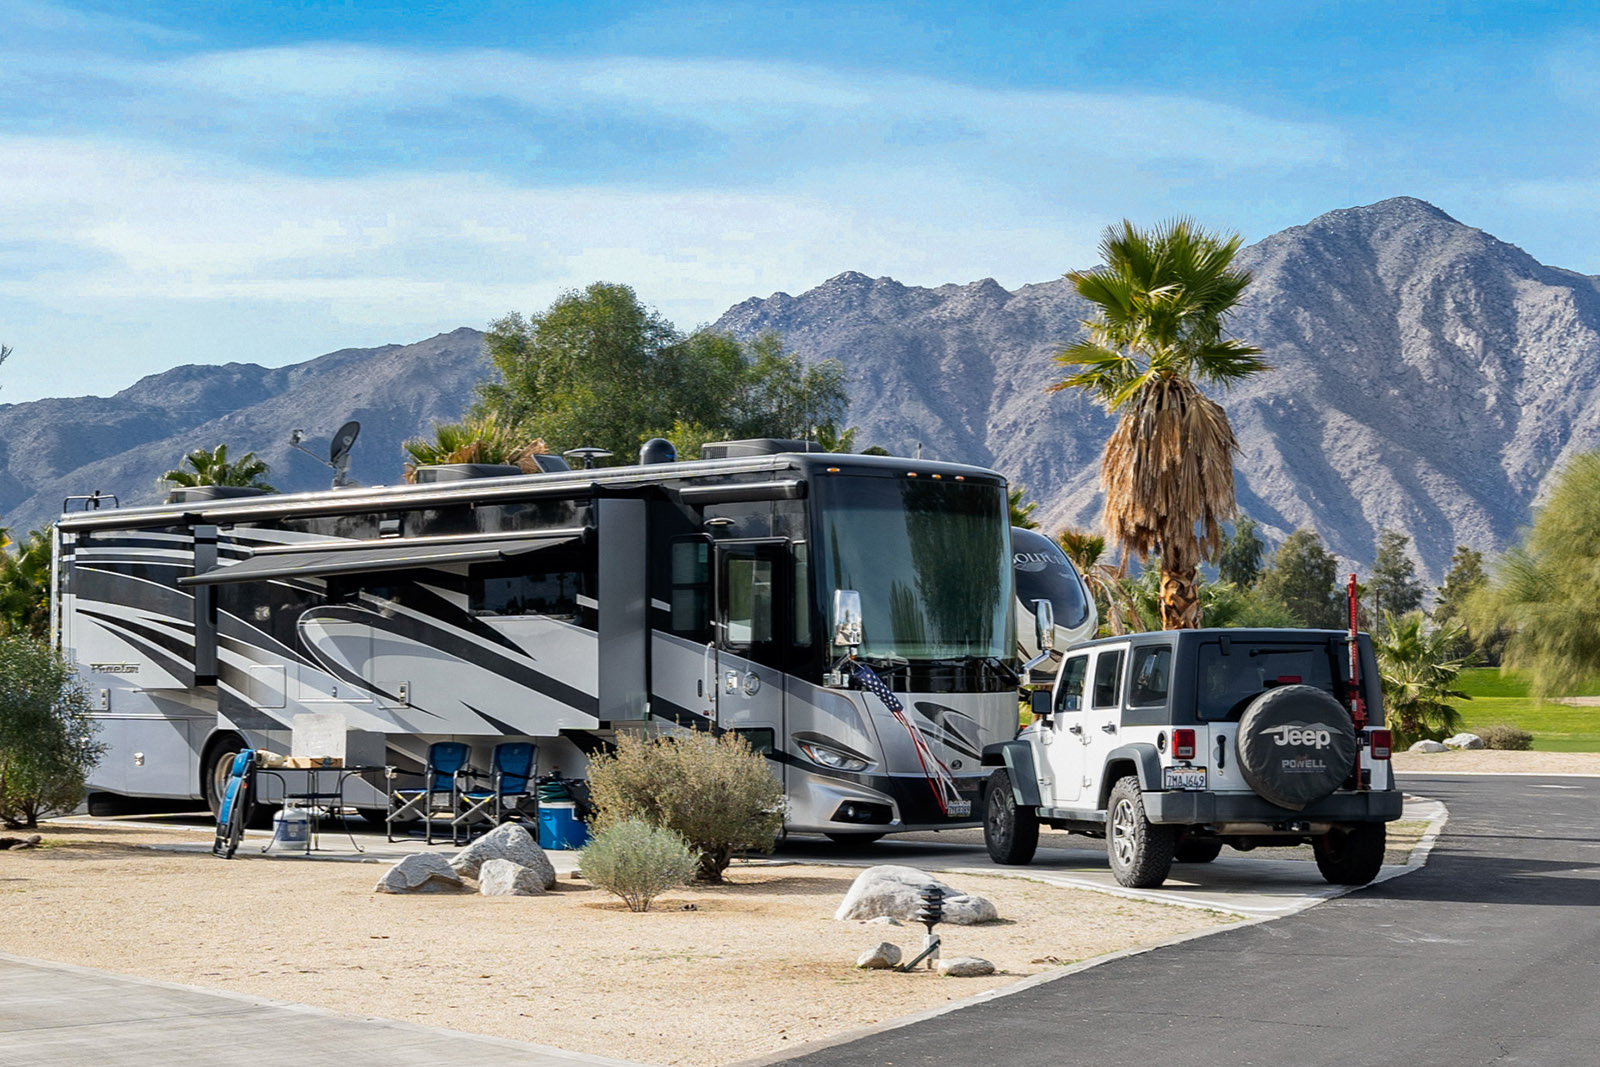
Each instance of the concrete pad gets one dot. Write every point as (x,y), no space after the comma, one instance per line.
(57,1015)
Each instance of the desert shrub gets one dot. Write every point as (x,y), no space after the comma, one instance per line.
(715,791)
(637,861)
(47,744)
(1501,735)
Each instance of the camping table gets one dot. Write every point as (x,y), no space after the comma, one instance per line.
(313,798)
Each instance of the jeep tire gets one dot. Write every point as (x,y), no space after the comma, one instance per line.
(1351,855)
(1010,831)
(1140,852)
(1296,745)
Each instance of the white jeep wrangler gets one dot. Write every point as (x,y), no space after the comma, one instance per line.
(1175,743)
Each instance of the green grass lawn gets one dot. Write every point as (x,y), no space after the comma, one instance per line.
(1498,698)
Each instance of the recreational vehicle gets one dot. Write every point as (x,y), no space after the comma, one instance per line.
(561,607)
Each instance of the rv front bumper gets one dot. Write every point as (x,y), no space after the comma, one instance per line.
(874,804)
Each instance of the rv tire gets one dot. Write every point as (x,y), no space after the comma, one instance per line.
(214,767)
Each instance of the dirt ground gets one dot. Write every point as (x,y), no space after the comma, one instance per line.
(762,962)
(1495,761)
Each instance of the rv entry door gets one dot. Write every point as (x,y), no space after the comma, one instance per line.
(751,641)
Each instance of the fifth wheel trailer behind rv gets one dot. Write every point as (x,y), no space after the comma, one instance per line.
(562,607)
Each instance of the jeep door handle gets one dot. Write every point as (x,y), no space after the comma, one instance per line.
(1109,727)
(1074,729)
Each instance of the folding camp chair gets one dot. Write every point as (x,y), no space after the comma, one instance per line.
(440,793)
(515,763)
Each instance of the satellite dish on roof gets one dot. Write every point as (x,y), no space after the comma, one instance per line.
(339,450)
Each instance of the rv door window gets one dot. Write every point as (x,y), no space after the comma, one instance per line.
(749,609)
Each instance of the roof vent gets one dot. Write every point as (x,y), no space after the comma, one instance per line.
(461,472)
(755,446)
(189,494)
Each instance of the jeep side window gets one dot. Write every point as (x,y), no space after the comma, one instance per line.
(1152,670)
(1107,675)
(1069,694)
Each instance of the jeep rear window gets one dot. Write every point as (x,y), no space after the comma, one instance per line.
(1226,684)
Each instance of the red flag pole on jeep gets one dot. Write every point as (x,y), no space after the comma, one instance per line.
(1358,707)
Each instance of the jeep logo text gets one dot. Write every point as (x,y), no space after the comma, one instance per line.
(1300,734)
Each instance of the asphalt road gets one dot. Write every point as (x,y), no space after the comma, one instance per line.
(1490,954)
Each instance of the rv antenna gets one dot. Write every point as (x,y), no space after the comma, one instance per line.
(588,455)
(338,452)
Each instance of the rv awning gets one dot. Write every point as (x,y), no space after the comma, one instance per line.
(364,559)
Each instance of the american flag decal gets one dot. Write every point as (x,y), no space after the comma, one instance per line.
(933,768)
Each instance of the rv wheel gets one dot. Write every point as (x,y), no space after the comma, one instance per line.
(215,766)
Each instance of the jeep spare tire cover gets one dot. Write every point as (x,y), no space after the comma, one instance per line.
(1296,745)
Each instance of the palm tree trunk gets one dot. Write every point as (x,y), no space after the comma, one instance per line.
(1180,599)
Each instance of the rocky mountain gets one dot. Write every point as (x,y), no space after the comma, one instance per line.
(1428,378)
(53,449)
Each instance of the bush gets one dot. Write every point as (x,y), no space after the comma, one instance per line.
(715,792)
(637,861)
(47,744)
(1500,735)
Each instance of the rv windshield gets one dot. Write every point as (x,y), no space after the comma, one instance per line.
(931,560)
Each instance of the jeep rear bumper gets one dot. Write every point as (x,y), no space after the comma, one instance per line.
(1201,808)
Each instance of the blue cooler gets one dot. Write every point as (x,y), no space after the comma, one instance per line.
(560,827)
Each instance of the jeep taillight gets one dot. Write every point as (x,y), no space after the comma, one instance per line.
(1183,744)
(1379,743)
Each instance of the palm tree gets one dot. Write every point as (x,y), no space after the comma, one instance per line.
(475,439)
(1167,468)
(1418,669)
(1021,509)
(25,587)
(215,468)
(1114,595)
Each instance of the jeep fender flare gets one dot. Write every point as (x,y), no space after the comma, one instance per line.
(1017,758)
(1141,758)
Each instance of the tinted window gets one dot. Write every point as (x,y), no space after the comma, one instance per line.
(1069,693)
(1107,675)
(1045,573)
(691,587)
(1152,676)
(1227,683)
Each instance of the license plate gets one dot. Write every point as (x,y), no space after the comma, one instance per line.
(1183,777)
(960,809)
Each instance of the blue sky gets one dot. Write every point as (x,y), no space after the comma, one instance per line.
(197,182)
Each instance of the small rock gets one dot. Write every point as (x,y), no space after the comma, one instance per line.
(1463,740)
(888,889)
(882,958)
(965,967)
(502,878)
(1427,746)
(509,841)
(421,872)
(31,841)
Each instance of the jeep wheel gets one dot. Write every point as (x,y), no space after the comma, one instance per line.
(1140,852)
(1010,832)
(1352,856)
(1196,851)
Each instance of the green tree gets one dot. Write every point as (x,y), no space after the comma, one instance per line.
(599,368)
(1240,559)
(25,587)
(1021,508)
(1418,673)
(1302,578)
(1161,300)
(1463,581)
(1542,591)
(475,439)
(1394,581)
(47,744)
(215,468)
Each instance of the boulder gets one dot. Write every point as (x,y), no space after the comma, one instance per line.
(502,878)
(965,967)
(508,841)
(896,891)
(1463,740)
(882,958)
(420,872)
(1427,746)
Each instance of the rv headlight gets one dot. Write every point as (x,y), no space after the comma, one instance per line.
(828,757)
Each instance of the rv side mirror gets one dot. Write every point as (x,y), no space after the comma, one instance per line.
(847,618)
(1039,704)
(1044,622)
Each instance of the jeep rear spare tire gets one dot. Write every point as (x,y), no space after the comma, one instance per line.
(1296,745)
